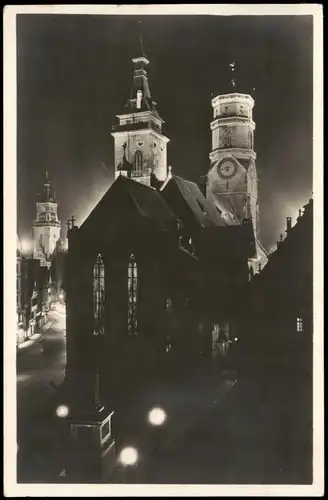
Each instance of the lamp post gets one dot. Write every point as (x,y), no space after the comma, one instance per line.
(156,417)
(128,458)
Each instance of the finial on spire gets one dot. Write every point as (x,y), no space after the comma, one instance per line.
(233,78)
(140,40)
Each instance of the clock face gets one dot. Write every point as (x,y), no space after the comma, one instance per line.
(43,209)
(227,169)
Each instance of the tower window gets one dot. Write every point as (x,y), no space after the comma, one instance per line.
(299,324)
(99,297)
(132,296)
(227,139)
(138,162)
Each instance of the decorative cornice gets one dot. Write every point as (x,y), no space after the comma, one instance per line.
(219,153)
(233,97)
(140,59)
(143,131)
(232,120)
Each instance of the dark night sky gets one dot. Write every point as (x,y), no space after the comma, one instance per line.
(74,75)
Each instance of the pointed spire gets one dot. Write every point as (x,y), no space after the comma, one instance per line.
(142,50)
(47,194)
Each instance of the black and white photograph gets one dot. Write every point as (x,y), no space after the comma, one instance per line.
(163,178)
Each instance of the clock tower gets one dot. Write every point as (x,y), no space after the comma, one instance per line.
(140,144)
(46,227)
(232,178)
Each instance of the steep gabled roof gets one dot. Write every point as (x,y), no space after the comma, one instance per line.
(188,202)
(148,202)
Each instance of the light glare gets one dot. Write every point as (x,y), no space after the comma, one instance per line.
(128,456)
(157,416)
(62,411)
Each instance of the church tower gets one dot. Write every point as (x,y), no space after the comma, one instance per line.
(140,145)
(46,227)
(232,178)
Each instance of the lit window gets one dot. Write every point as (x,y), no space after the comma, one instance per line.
(299,324)
(168,305)
(138,162)
(99,297)
(132,296)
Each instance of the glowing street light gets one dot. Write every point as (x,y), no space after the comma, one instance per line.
(26,246)
(62,411)
(128,456)
(157,416)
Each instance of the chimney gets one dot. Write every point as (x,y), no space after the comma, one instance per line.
(289,224)
(279,242)
(299,214)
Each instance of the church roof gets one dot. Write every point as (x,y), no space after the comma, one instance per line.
(148,202)
(188,202)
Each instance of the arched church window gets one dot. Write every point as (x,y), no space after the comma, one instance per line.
(99,296)
(138,162)
(132,296)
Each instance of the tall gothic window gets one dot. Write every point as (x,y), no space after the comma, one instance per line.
(138,162)
(132,296)
(99,297)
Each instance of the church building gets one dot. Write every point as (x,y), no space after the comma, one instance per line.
(152,272)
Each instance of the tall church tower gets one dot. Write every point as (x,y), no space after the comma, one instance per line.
(232,178)
(140,145)
(46,227)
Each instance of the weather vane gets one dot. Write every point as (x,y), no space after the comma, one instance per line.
(233,79)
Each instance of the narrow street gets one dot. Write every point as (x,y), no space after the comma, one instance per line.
(40,369)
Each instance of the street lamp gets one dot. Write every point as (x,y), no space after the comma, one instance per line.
(156,416)
(62,411)
(128,458)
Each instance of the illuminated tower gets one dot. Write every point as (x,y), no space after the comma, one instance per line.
(232,174)
(140,144)
(232,180)
(46,227)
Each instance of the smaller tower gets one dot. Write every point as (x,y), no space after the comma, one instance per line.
(46,227)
